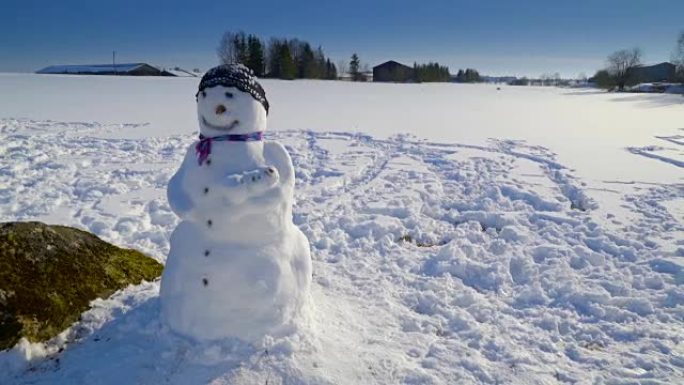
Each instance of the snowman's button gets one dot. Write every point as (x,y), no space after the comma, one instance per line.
(206,253)
(209,223)
(206,190)
(208,162)
(205,281)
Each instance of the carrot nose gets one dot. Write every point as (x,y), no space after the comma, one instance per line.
(220,109)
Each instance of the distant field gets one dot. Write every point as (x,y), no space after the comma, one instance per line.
(590,130)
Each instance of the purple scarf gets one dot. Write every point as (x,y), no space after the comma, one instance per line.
(203,148)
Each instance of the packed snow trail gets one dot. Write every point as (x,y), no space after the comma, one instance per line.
(434,263)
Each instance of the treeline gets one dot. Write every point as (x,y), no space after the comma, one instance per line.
(468,76)
(279,58)
(431,72)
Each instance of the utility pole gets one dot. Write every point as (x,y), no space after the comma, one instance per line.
(114,62)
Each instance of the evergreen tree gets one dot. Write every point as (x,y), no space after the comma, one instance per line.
(354,64)
(431,72)
(288,68)
(472,76)
(296,48)
(240,47)
(280,58)
(603,79)
(256,60)
(306,63)
(321,67)
(330,70)
(273,59)
(281,65)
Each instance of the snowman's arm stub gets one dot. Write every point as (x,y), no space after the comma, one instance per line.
(180,202)
(262,175)
(240,186)
(276,155)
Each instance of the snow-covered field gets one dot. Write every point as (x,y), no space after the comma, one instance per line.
(459,234)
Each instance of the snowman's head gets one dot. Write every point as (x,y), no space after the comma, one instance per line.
(231,101)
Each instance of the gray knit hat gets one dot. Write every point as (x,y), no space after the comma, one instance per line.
(234,75)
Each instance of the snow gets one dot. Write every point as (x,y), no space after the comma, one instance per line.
(675,89)
(659,87)
(181,72)
(237,267)
(551,253)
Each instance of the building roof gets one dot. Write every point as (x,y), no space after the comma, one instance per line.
(90,68)
(181,72)
(391,63)
(660,72)
(663,64)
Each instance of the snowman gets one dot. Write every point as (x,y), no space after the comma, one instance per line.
(238,267)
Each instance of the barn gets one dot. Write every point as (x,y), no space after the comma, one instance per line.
(129,69)
(392,71)
(663,72)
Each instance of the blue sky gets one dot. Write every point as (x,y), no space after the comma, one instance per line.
(524,37)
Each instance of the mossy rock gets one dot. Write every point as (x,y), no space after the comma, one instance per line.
(49,275)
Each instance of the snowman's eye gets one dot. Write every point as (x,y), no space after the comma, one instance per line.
(229,95)
(204,94)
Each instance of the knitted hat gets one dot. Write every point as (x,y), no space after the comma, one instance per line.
(234,75)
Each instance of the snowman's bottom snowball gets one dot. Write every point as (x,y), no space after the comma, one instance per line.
(212,290)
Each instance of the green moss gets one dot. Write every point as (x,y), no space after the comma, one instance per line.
(49,275)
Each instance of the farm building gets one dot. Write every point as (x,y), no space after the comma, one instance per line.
(129,69)
(392,71)
(663,72)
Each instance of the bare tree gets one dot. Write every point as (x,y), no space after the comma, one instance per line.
(543,78)
(678,57)
(226,50)
(233,48)
(622,63)
(341,68)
